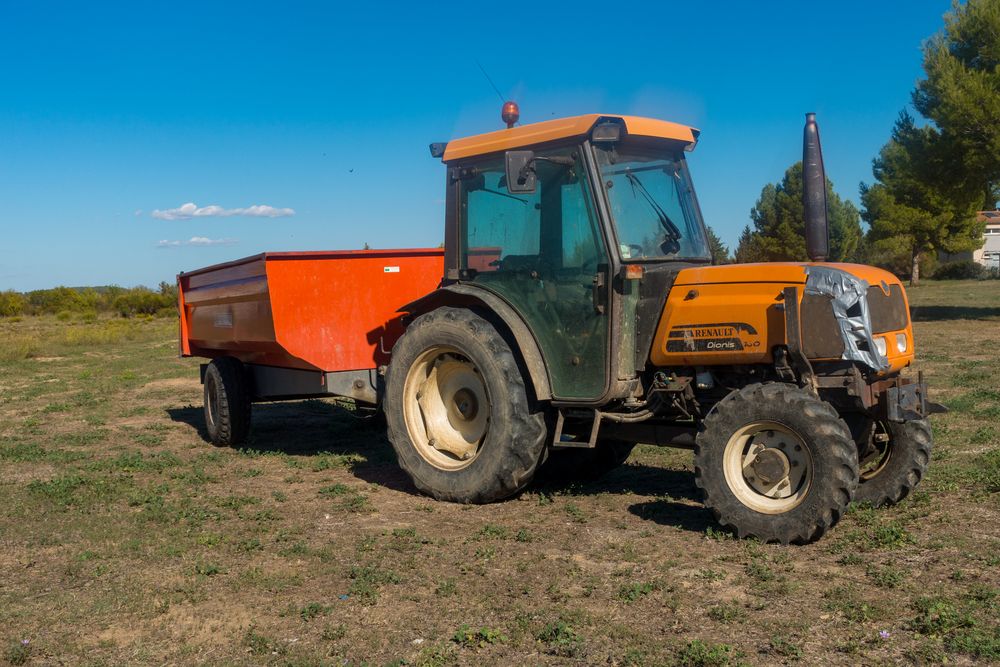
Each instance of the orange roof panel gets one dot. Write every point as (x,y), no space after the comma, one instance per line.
(562,128)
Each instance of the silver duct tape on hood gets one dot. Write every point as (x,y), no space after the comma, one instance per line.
(848,298)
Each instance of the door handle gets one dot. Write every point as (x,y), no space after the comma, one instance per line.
(598,293)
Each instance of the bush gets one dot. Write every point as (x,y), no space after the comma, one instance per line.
(967,270)
(142,301)
(11,304)
(69,303)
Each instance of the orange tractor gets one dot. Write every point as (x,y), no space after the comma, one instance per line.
(574,312)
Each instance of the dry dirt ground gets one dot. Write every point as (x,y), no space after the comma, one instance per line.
(126,538)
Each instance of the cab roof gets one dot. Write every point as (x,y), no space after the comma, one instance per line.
(562,128)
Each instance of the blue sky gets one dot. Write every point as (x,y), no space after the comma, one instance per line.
(110,112)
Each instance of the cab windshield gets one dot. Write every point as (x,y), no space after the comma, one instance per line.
(652,202)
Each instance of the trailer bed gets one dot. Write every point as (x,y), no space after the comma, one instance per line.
(313,311)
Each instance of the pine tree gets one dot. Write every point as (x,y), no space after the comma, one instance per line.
(748,250)
(961,94)
(778,232)
(921,202)
(720,251)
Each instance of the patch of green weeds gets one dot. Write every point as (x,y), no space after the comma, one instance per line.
(207,569)
(718,534)
(327,461)
(575,513)
(446,588)
(262,645)
(366,581)
(561,639)
(35,453)
(697,653)
(846,601)
(466,637)
(138,462)
(888,576)
(18,652)
(635,590)
(491,532)
(785,648)
(314,610)
(727,612)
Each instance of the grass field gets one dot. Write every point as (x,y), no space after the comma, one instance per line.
(125,538)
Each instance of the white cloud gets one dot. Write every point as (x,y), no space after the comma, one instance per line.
(194,241)
(192,210)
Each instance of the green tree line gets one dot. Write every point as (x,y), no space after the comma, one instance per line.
(929,180)
(126,302)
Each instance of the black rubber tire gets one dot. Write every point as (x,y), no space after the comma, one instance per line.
(828,439)
(585,465)
(229,426)
(910,445)
(513,444)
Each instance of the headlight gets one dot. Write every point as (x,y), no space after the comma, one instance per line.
(901,342)
(880,345)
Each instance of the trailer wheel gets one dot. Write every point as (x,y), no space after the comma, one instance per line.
(585,465)
(894,461)
(776,463)
(457,410)
(227,402)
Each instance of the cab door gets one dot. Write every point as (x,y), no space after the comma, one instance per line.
(545,254)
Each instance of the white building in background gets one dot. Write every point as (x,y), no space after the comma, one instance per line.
(989,254)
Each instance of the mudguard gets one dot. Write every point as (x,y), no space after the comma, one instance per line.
(523,340)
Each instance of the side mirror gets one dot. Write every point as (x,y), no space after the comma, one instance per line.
(520,167)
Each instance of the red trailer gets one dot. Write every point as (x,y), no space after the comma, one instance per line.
(305,323)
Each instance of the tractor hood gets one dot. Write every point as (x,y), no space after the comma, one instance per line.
(789,273)
(849,312)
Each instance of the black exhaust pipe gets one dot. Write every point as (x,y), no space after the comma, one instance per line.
(817,228)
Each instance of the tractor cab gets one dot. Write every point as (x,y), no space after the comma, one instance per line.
(560,219)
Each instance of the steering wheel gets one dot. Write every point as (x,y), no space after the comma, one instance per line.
(636,251)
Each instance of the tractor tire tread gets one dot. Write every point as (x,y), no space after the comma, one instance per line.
(913,445)
(834,479)
(524,434)
(232,423)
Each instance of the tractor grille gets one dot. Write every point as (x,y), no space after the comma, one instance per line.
(888,313)
(821,338)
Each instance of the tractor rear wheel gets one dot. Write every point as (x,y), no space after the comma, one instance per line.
(776,463)
(227,402)
(458,412)
(894,461)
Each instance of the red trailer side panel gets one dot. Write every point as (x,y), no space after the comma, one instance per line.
(330,311)
(339,310)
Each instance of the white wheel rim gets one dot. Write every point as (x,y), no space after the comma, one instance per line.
(446,408)
(876,463)
(768,467)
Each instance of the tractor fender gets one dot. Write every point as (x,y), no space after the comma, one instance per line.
(504,316)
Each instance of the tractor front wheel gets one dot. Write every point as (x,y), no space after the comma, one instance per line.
(458,412)
(776,463)
(894,459)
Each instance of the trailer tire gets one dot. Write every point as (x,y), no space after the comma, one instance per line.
(776,463)
(227,402)
(898,466)
(458,412)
